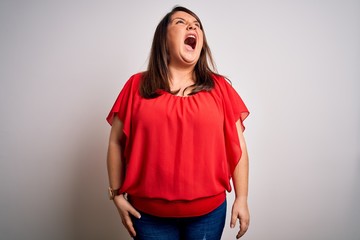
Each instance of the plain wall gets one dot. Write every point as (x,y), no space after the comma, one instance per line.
(296,64)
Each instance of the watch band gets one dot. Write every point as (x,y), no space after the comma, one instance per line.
(113,193)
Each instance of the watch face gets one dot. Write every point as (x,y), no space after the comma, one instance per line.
(111,194)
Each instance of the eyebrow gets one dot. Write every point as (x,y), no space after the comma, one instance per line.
(180,18)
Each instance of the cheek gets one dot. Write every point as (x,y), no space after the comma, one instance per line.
(171,46)
(201,39)
(172,40)
(201,43)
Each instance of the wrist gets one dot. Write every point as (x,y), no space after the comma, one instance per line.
(241,198)
(113,193)
(122,195)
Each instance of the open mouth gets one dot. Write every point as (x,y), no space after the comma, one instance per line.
(191,41)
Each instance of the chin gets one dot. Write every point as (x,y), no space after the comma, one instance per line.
(191,59)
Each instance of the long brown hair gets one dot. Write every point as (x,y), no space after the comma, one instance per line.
(157,74)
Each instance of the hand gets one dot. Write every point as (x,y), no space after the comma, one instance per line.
(125,209)
(240,211)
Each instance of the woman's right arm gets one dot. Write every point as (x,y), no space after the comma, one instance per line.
(115,170)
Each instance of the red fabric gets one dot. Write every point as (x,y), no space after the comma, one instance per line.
(179,150)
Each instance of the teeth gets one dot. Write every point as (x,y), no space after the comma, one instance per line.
(192,36)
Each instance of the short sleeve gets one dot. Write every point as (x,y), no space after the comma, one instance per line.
(235,104)
(122,107)
(234,110)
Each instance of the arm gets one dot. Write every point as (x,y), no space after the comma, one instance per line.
(240,181)
(114,167)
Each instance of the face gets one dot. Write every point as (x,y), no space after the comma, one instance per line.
(184,39)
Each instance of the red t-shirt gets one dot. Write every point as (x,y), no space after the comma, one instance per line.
(179,152)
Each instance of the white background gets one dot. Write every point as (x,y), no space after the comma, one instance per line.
(296,64)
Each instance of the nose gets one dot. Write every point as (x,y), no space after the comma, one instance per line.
(191,26)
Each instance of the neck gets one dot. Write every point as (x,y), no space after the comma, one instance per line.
(179,75)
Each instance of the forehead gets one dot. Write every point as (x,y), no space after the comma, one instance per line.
(183,15)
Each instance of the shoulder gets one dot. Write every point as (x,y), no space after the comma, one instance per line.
(133,83)
(224,85)
(135,79)
(221,81)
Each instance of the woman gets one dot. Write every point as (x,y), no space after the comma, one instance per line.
(177,139)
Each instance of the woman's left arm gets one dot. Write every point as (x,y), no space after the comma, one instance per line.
(240,180)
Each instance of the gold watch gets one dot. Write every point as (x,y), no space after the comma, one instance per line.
(113,193)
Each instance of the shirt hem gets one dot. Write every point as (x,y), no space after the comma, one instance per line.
(166,208)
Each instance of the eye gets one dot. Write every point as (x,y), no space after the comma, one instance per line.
(197,25)
(179,22)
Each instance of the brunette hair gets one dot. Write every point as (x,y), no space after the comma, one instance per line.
(157,74)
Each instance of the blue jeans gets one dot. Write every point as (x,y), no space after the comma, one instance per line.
(207,227)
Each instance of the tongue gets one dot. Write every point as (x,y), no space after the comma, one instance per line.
(190,42)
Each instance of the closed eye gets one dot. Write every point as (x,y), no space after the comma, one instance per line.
(180,22)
